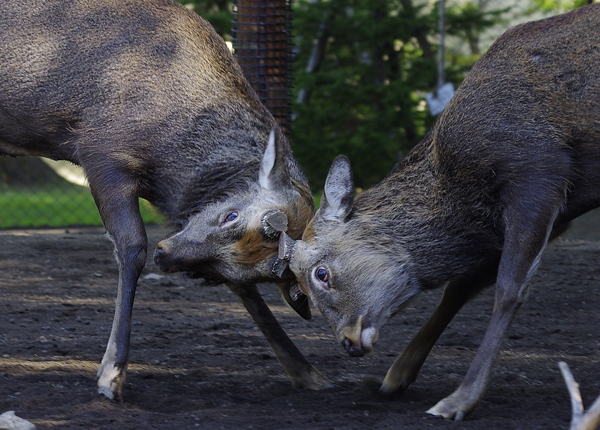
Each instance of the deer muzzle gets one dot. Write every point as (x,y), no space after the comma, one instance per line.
(357,339)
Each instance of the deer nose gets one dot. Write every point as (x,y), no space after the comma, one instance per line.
(352,349)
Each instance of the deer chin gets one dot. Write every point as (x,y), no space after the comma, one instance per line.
(207,279)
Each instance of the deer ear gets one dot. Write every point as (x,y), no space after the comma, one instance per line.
(338,194)
(273,171)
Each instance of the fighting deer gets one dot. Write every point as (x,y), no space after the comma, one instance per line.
(513,158)
(148,100)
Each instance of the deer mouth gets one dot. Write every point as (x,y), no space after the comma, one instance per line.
(353,349)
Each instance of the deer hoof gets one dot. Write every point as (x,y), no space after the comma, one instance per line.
(111,380)
(454,407)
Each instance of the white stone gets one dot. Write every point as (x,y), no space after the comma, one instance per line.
(9,421)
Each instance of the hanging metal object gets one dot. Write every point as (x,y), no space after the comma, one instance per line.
(262,32)
(444,91)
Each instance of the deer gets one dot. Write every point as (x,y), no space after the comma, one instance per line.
(513,158)
(146,97)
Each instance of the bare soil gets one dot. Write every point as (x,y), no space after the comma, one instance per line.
(198,361)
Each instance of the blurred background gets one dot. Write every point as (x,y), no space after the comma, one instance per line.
(359,71)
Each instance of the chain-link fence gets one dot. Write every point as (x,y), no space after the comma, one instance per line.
(42,193)
(262,41)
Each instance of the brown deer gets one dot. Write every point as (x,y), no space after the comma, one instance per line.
(146,97)
(513,158)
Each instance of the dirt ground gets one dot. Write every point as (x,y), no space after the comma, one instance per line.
(197,360)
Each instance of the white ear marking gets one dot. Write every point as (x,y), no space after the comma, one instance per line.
(267,163)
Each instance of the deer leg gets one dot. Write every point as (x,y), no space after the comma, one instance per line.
(299,370)
(406,368)
(528,222)
(117,201)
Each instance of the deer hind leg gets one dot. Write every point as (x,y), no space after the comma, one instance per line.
(299,370)
(406,368)
(528,217)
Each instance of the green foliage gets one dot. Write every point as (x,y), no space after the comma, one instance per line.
(467,21)
(366,99)
(560,5)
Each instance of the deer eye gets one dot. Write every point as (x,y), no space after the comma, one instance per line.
(322,276)
(231,216)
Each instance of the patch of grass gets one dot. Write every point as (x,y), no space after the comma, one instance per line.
(56,207)
(64,206)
